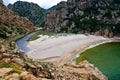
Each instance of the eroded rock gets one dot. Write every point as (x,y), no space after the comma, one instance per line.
(83,71)
(5,71)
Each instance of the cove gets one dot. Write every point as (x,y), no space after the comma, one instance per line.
(106,57)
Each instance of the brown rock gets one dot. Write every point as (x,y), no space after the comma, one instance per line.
(22,54)
(14,76)
(1,55)
(6,60)
(83,71)
(111,35)
(1,1)
(7,55)
(97,33)
(18,61)
(27,76)
(5,71)
(14,46)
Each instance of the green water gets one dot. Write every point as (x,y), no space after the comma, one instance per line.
(106,58)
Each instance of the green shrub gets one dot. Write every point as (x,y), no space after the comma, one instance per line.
(16,69)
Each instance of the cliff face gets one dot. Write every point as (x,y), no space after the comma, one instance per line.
(12,25)
(14,67)
(81,16)
(32,11)
(1,2)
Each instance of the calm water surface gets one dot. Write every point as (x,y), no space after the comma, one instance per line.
(106,58)
(22,43)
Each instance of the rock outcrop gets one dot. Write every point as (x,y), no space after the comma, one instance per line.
(81,16)
(1,2)
(83,71)
(14,67)
(12,25)
(32,11)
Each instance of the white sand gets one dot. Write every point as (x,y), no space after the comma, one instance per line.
(63,46)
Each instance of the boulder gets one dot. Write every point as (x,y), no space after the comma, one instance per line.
(13,46)
(110,34)
(6,60)
(14,76)
(28,76)
(22,54)
(97,33)
(1,55)
(7,55)
(18,61)
(1,1)
(5,71)
(82,71)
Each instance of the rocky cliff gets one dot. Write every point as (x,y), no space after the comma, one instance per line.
(85,16)
(12,25)
(32,11)
(14,67)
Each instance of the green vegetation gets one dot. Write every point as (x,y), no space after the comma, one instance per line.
(32,11)
(11,33)
(14,38)
(105,57)
(36,35)
(41,32)
(42,63)
(16,69)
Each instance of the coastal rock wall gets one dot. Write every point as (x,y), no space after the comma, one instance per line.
(1,1)
(17,67)
(84,16)
(83,71)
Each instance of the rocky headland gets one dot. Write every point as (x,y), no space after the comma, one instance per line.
(20,67)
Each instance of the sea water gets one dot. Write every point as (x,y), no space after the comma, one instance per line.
(106,57)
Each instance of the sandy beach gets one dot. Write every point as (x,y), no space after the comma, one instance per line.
(62,48)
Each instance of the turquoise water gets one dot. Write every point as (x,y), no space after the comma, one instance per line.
(106,58)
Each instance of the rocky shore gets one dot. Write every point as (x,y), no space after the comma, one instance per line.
(19,67)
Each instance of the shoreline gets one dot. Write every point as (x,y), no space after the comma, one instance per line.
(70,55)
(76,53)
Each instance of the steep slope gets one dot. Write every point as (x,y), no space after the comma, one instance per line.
(12,25)
(85,16)
(32,11)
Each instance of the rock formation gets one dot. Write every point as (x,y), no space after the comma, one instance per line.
(12,67)
(1,2)
(81,16)
(12,25)
(32,11)
(83,71)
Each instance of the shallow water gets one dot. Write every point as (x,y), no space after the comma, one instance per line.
(22,43)
(106,58)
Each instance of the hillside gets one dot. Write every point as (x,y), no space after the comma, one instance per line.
(12,25)
(98,17)
(32,11)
